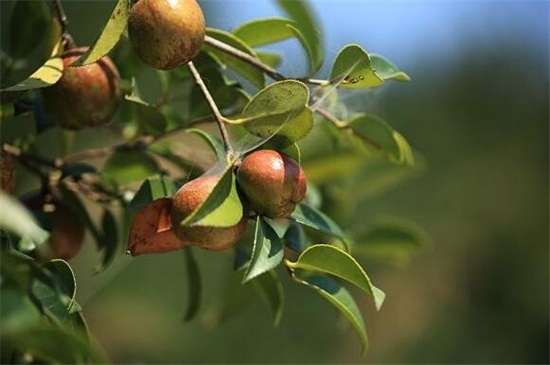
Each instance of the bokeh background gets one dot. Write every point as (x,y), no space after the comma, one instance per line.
(477,111)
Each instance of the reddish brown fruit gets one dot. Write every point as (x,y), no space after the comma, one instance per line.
(7,172)
(272,182)
(85,96)
(166,33)
(67,230)
(188,198)
(152,231)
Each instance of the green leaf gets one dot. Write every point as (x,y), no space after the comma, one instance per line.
(307,30)
(272,59)
(28,21)
(260,32)
(387,70)
(15,218)
(390,238)
(149,118)
(270,287)
(153,188)
(379,136)
(126,166)
(48,74)
(332,260)
(20,127)
(314,218)
(222,208)
(64,277)
(279,109)
(110,35)
(353,67)
(324,169)
(336,294)
(194,285)
(251,73)
(267,252)
(214,143)
(109,240)
(17,312)
(295,237)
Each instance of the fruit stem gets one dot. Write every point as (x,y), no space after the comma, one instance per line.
(67,39)
(210,100)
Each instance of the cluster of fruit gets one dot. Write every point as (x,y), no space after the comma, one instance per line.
(165,35)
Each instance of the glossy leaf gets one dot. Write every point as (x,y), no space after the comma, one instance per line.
(332,260)
(15,218)
(126,166)
(295,237)
(153,188)
(251,73)
(336,294)
(267,252)
(386,69)
(270,287)
(48,74)
(109,240)
(65,279)
(260,32)
(314,218)
(277,104)
(379,136)
(390,238)
(110,35)
(151,230)
(194,283)
(353,67)
(307,30)
(222,208)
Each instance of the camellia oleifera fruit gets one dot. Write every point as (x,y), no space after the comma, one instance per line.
(188,198)
(166,33)
(67,230)
(272,182)
(84,96)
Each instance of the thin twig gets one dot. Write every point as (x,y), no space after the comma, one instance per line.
(212,104)
(68,41)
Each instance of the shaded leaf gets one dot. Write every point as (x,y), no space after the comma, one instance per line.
(314,218)
(194,285)
(110,35)
(387,141)
(270,287)
(336,294)
(251,73)
(126,166)
(48,74)
(307,30)
(149,118)
(295,237)
(214,143)
(17,312)
(353,66)
(109,240)
(267,252)
(386,69)
(332,260)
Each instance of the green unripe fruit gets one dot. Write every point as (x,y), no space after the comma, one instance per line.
(85,96)
(166,33)
(188,198)
(272,182)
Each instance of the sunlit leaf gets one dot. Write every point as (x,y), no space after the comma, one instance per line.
(271,289)
(47,75)
(110,35)
(251,73)
(259,32)
(353,67)
(386,69)
(222,208)
(267,252)
(332,260)
(336,294)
